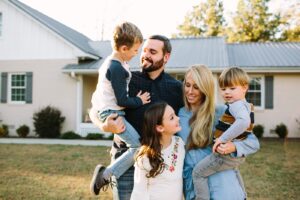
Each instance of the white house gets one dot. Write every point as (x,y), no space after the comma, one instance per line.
(43,62)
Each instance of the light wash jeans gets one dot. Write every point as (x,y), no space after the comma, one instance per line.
(210,165)
(131,137)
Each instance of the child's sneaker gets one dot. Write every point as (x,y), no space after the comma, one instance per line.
(98,181)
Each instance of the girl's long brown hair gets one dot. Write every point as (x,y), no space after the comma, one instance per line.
(151,147)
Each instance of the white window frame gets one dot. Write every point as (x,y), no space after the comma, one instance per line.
(262,87)
(10,88)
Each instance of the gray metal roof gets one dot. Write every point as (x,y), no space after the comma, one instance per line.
(210,51)
(269,54)
(69,34)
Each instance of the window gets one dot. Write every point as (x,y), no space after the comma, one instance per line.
(255,91)
(1,24)
(17,88)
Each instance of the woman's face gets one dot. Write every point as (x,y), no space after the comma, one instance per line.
(191,91)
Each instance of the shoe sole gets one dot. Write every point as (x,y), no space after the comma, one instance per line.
(96,171)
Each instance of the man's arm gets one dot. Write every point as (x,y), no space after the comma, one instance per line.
(112,124)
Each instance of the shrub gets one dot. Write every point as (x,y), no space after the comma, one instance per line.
(94,136)
(258,130)
(47,122)
(23,131)
(4,130)
(70,135)
(281,130)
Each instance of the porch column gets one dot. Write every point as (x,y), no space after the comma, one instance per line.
(79,96)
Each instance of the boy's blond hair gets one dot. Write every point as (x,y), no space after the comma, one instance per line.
(127,34)
(233,76)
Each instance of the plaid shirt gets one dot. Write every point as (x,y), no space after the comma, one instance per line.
(163,88)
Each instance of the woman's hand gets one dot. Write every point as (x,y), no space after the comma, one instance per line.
(226,148)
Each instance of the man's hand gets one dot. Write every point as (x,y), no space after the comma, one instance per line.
(114,124)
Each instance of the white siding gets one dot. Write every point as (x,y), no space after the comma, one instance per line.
(50,87)
(24,38)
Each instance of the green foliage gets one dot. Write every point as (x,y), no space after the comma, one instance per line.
(94,136)
(252,22)
(48,122)
(258,130)
(206,19)
(281,130)
(70,135)
(23,131)
(4,130)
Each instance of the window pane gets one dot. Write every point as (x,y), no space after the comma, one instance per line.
(254,93)
(18,87)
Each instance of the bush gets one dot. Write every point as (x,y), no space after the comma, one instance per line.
(94,136)
(4,130)
(23,131)
(281,130)
(70,135)
(258,130)
(47,122)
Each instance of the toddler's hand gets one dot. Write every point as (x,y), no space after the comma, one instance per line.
(145,97)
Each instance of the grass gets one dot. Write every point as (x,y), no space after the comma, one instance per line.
(64,172)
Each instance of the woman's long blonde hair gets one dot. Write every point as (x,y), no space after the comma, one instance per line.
(201,122)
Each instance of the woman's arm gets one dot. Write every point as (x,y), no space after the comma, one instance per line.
(188,187)
(240,148)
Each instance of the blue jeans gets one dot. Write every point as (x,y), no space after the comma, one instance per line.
(210,165)
(132,139)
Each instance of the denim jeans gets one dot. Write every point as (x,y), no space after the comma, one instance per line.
(131,137)
(209,165)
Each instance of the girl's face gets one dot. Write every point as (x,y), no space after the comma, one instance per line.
(191,91)
(170,124)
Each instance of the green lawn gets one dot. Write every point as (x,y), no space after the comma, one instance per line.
(64,172)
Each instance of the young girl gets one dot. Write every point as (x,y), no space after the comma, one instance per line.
(159,163)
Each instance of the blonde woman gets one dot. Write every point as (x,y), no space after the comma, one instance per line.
(197,119)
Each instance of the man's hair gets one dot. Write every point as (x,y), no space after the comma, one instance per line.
(233,76)
(167,44)
(127,34)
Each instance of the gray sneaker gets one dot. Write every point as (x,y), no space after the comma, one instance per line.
(98,181)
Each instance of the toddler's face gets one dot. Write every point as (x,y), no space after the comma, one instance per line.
(233,93)
(129,53)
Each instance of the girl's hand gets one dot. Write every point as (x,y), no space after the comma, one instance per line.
(145,97)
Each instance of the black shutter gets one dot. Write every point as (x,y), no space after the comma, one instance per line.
(3,87)
(269,92)
(28,97)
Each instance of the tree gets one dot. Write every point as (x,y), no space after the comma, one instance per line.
(206,19)
(253,23)
(291,27)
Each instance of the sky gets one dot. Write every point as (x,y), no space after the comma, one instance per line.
(96,18)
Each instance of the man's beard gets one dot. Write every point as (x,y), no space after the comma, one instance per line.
(154,66)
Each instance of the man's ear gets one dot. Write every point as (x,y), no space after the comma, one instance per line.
(159,128)
(166,57)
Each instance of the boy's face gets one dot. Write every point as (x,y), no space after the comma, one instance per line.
(234,93)
(129,53)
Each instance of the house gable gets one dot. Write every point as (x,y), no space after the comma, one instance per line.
(32,39)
